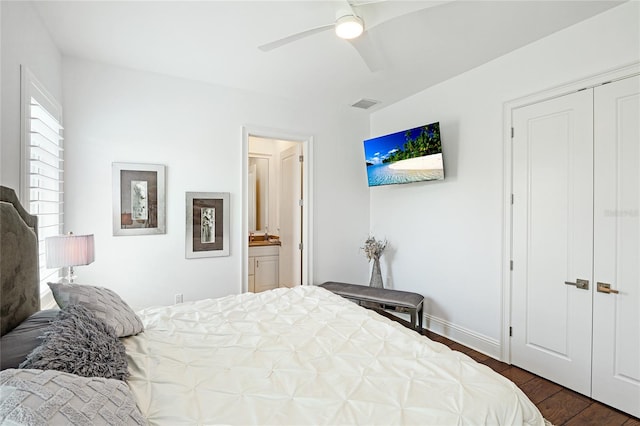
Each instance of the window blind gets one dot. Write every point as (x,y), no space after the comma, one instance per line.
(43,185)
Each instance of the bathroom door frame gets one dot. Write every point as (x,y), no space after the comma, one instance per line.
(306,142)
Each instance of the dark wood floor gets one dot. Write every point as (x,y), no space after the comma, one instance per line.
(559,405)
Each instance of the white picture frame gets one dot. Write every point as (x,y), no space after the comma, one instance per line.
(138,199)
(207,224)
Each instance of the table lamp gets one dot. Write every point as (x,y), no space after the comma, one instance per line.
(70,250)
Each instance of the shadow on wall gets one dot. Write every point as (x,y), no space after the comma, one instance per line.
(387,259)
(430,306)
(450,133)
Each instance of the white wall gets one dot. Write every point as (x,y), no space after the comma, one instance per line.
(446,237)
(24,41)
(119,115)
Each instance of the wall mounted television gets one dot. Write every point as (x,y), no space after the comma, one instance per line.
(412,155)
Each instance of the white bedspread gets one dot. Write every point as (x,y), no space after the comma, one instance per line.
(306,356)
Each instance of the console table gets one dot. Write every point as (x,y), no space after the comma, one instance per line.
(401,301)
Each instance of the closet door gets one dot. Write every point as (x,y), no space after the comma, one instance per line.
(616,315)
(552,239)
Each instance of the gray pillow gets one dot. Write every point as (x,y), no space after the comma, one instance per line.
(77,342)
(19,342)
(35,397)
(104,303)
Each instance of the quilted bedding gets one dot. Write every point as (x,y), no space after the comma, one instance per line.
(306,356)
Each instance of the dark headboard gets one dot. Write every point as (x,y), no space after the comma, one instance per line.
(19,269)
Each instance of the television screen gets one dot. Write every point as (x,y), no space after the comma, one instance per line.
(412,155)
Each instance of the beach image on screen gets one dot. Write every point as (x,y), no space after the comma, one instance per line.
(409,156)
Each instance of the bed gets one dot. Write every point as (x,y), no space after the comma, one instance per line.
(286,356)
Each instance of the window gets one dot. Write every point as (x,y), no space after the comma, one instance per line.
(42,168)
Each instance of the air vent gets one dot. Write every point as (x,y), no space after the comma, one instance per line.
(365,103)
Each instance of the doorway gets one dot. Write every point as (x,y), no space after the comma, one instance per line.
(276,204)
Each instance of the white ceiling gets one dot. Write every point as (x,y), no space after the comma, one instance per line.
(417,43)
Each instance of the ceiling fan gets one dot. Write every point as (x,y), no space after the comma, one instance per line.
(349,25)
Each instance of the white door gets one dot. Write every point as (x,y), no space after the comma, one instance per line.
(616,317)
(290,216)
(552,239)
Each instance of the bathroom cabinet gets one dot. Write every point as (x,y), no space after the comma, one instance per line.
(264,268)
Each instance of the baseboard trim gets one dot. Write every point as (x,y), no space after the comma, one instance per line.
(464,336)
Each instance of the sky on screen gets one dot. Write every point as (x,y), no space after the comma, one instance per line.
(377,149)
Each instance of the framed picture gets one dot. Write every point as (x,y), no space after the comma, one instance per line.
(207,224)
(138,199)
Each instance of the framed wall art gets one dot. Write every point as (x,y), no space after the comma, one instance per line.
(138,199)
(207,224)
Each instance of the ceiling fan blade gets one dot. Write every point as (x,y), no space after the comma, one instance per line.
(376,12)
(369,52)
(289,39)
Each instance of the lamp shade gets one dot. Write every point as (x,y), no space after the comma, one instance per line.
(69,250)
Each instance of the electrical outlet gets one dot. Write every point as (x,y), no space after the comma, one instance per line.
(179,298)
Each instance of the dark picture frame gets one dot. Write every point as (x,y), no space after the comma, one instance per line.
(138,199)
(207,232)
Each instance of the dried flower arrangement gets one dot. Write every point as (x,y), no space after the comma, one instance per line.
(373,248)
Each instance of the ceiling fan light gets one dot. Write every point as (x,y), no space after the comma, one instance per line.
(349,26)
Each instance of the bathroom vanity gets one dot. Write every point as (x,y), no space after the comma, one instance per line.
(264,259)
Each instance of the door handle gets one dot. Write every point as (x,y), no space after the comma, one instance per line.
(606,288)
(581,284)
